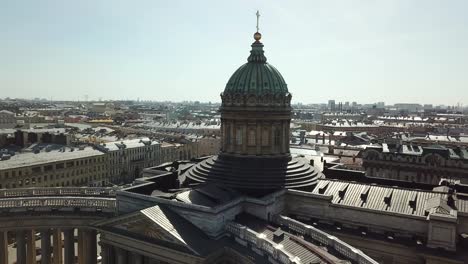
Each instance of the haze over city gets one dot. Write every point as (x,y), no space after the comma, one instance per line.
(367,51)
(240,132)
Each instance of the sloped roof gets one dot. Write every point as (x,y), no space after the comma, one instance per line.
(375,197)
(160,225)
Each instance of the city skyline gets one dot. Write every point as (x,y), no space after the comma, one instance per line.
(394,52)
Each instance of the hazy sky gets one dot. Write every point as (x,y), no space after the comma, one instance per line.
(359,50)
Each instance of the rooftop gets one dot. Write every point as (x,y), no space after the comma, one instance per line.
(130,143)
(44,157)
(381,198)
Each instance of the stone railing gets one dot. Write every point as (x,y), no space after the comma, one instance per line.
(261,245)
(58,191)
(107,205)
(323,238)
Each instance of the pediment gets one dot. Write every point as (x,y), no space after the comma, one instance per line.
(154,222)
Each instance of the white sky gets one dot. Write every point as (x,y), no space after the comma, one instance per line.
(360,50)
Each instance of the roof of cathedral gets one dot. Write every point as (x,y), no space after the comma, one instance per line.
(256,76)
(382,198)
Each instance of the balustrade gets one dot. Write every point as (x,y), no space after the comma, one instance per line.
(275,251)
(58,191)
(59,202)
(326,239)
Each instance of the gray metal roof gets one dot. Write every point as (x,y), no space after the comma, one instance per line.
(374,197)
(167,220)
(31,159)
(207,195)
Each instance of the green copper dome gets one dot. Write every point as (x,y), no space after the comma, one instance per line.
(256,76)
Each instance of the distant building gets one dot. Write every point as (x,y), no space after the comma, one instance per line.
(198,127)
(208,145)
(126,159)
(102,108)
(346,106)
(412,163)
(7,119)
(49,168)
(408,107)
(331,105)
(26,137)
(177,151)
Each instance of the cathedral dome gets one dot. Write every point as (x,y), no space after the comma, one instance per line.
(256,76)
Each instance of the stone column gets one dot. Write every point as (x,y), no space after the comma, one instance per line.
(91,246)
(31,247)
(81,247)
(151,261)
(245,135)
(57,246)
(272,138)
(121,256)
(20,247)
(4,247)
(69,246)
(45,247)
(258,138)
(283,137)
(136,258)
(104,253)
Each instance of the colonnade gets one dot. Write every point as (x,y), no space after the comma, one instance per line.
(57,246)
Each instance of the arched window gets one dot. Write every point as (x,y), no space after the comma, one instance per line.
(251,138)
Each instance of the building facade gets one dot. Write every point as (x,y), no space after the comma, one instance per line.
(178,151)
(82,166)
(413,163)
(7,119)
(127,159)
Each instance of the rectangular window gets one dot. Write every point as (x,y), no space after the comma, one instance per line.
(277,137)
(251,138)
(239,134)
(265,137)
